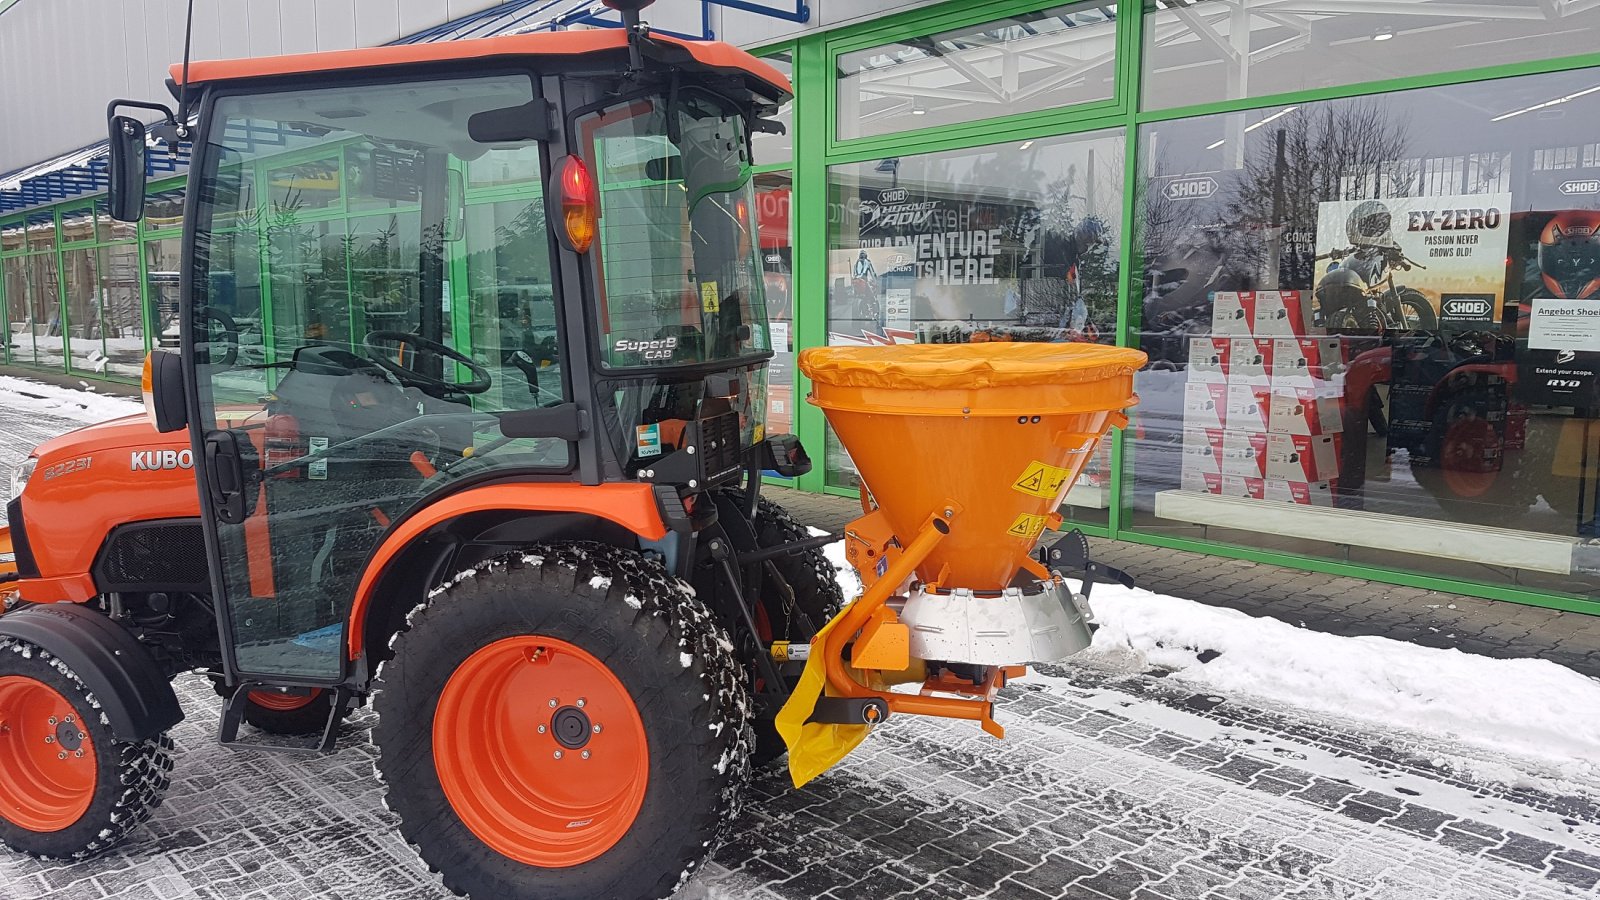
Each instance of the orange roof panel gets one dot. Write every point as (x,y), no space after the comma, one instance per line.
(713,54)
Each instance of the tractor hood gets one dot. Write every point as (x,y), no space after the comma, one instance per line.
(129,431)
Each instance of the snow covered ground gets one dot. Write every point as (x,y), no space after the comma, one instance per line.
(1192,752)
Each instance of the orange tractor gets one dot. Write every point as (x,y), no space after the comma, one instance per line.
(466,423)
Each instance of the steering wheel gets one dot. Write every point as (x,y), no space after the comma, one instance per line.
(428,384)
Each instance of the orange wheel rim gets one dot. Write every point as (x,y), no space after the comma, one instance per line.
(1462,458)
(279,702)
(540,751)
(47,760)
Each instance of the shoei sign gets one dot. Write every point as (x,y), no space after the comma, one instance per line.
(1591,186)
(1190,188)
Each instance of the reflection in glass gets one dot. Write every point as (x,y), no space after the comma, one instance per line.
(1010,242)
(1026,62)
(1202,52)
(770,149)
(121,319)
(81,328)
(773,199)
(1348,304)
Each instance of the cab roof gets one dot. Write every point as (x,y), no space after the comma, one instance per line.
(713,55)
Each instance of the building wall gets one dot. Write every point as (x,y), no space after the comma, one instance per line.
(61,60)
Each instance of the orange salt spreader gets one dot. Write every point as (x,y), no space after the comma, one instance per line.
(965,452)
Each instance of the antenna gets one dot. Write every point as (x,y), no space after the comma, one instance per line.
(183,91)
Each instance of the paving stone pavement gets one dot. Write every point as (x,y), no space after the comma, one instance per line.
(1328,603)
(1109,785)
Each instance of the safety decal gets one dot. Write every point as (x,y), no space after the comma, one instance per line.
(710,297)
(1026,526)
(318,469)
(1041,480)
(648,440)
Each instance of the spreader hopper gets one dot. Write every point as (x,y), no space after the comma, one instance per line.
(965,452)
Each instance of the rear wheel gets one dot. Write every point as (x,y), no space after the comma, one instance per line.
(286,714)
(68,788)
(565,721)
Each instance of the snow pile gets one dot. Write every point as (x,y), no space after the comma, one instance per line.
(77,404)
(1529,707)
(1526,707)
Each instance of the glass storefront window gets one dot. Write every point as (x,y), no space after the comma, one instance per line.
(519,166)
(770,149)
(81,327)
(164,208)
(774,195)
(121,320)
(40,229)
(1372,329)
(1025,62)
(1210,50)
(19,318)
(511,301)
(162,275)
(1009,242)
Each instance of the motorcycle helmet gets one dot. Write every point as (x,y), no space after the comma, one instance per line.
(1340,289)
(1370,225)
(1569,254)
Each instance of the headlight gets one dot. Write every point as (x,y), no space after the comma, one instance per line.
(20,476)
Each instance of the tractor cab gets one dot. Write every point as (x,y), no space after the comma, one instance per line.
(527,259)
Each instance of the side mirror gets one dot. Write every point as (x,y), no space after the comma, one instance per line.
(127,169)
(162,386)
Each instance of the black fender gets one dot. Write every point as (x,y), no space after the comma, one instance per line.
(134,693)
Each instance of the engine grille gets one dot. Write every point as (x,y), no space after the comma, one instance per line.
(145,556)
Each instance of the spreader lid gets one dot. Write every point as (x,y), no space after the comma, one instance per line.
(967,366)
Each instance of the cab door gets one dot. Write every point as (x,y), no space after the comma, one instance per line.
(370,353)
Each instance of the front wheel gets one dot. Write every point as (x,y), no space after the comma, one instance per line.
(1418,312)
(564,721)
(68,788)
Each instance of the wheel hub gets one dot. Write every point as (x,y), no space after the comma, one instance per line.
(68,737)
(571,728)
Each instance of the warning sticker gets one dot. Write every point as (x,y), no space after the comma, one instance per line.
(710,297)
(1026,526)
(1041,480)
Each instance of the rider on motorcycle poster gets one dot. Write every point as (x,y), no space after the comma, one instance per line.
(1387,265)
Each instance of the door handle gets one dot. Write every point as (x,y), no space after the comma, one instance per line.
(225,477)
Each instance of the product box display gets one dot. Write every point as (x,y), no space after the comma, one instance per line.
(1244,487)
(1208,359)
(1312,493)
(1307,361)
(1249,361)
(1244,453)
(1204,405)
(1202,482)
(1280,314)
(1259,313)
(1203,450)
(1246,408)
(1301,457)
(1305,411)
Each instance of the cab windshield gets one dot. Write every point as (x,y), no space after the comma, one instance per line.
(678,278)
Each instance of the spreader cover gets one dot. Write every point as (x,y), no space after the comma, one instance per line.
(997,432)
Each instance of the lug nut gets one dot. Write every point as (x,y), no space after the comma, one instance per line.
(558,754)
(597,729)
(69,720)
(542,729)
(552,703)
(52,720)
(78,753)
(582,702)
(49,739)
(585,754)
(61,755)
